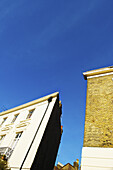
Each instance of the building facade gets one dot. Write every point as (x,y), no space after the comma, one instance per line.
(30,134)
(97,152)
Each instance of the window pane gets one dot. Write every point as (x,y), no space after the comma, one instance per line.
(1,138)
(4,119)
(18,135)
(15,117)
(15,140)
(30,113)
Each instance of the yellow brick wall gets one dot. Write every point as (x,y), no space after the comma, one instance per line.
(99,112)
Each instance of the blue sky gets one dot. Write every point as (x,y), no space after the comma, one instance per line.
(45,46)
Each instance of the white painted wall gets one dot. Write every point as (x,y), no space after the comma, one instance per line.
(94,158)
(29,128)
(39,136)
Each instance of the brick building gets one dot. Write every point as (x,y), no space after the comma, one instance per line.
(97,152)
(68,166)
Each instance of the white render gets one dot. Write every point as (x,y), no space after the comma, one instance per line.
(29,127)
(96,158)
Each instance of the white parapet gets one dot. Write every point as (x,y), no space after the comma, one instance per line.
(96,158)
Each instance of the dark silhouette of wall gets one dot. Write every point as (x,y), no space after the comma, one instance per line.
(47,151)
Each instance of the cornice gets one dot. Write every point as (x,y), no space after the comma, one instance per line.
(98,72)
(29,103)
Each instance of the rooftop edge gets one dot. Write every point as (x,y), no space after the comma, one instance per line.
(98,71)
(42,99)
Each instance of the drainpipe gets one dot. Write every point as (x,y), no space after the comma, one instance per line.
(49,100)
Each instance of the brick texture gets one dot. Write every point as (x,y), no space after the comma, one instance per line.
(99,112)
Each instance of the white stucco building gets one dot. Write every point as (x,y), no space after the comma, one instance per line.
(30,134)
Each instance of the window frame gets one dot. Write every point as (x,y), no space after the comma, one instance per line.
(30,113)
(15,118)
(4,120)
(16,139)
(2,138)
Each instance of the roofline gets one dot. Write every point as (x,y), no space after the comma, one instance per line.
(30,103)
(67,164)
(98,72)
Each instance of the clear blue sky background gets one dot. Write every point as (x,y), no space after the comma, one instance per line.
(45,46)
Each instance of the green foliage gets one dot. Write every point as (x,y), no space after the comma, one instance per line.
(3,163)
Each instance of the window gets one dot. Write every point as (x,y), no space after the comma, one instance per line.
(4,119)
(1,138)
(30,113)
(10,149)
(18,135)
(15,117)
(16,139)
